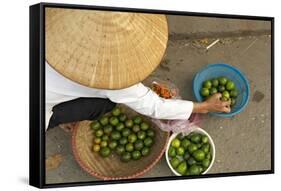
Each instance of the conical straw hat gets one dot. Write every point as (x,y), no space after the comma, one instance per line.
(104,49)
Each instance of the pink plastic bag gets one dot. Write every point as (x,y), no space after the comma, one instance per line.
(175,126)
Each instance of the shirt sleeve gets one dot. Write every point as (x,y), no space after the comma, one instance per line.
(145,101)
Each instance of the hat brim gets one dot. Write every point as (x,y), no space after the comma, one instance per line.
(104,49)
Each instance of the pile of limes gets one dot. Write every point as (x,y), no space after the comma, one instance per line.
(129,138)
(220,85)
(191,154)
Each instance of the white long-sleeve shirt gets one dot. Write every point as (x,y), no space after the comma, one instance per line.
(138,97)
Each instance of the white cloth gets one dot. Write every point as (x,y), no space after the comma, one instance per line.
(138,97)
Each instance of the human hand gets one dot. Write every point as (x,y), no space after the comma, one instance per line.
(212,104)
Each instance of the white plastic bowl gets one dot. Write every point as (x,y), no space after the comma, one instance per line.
(198,130)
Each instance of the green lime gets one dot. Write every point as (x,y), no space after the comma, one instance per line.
(233,102)
(123,141)
(95,125)
(103,144)
(185,143)
(187,173)
(207,84)
(120,126)
(180,151)
(136,155)
(148,141)
(132,138)
(122,117)
(206,163)
(233,93)
(176,143)
(116,111)
(138,145)
(225,94)
(199,145)
(126,132)
(136,128)
(120,149)
(113,120)
(105,151)
(191,161)
(204,139)
(194,169)
(172,152)
(191,148)
(201,169)
(97,140)
(182,168)
(129,123)
(115,135)
(209,156)
(108,129)
(104,120)
(141,135)
(224,99)
(205,147)
(190,135)
(105,138)
(205,92)
(213,91)
(215,82)
(230,85)
(175,162)
(221,88)
(144,126)
(186,155)
(196,138)
(199,155)
(145,151)
(137,120)
(222,80)
(99,133)
(150,133)
(129,147)
(96,148)
(112,144)
(180,136)
(126,157)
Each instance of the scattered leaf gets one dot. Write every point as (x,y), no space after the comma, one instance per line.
(53,161)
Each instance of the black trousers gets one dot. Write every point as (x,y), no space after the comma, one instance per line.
(79,109)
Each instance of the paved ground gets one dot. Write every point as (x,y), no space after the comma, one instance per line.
(242,142)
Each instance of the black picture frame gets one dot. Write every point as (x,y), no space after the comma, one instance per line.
(37,94)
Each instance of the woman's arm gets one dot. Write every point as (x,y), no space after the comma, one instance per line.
(143,100)
(213,104)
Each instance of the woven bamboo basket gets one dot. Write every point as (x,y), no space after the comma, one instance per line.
(111,168)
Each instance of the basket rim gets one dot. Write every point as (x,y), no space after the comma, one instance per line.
(241,74)
(100,176)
